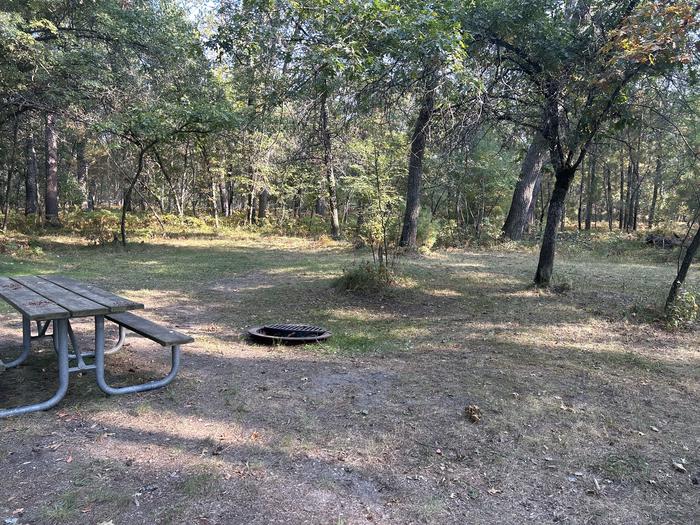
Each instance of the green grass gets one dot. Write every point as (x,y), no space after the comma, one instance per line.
(579,376)
(200,484)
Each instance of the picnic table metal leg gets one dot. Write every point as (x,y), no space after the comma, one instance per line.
(120,342)
(100,366)
(26,345)
(41,330)
(60,330)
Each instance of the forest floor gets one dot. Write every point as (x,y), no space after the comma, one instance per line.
(586,401)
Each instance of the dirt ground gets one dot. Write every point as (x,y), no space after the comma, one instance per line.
(585,402)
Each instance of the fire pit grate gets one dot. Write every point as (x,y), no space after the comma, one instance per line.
(289,334)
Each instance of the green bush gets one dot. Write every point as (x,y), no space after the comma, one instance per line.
(365,278)
(683,312)
(449,235)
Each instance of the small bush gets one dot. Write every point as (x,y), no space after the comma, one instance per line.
(683,312)
(365,278)
(450,235)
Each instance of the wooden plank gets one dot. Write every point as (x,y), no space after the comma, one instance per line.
(114,302)
(30,303)
(77,305)
(149,329)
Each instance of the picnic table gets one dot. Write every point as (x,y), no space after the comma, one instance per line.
(50,300)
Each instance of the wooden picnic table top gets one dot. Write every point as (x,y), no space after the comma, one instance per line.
(47,297)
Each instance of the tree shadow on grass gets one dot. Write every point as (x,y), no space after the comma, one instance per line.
(342,434)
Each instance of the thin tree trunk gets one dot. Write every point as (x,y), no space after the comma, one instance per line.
(30,182)
(591,191)
(10,169)
(409,231)
(545,266)
(81,172)
(214,204)
(51,195)
(621,220)
(223,199)
(126,203)
(178,199)
(92,194)
(629,197)
(328,167)
(521,207)
(609,197)
(579,215)
(655,195)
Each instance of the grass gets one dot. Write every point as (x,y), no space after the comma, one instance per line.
(200,484)
(369,423)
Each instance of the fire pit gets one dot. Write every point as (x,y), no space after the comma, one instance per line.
(288,334)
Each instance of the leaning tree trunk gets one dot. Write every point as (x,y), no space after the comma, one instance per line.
(690,253)
(545,266)
(409,232)
(525,190)
(126,203)
(328,166)
(30,182)
(51,195)
(533,204)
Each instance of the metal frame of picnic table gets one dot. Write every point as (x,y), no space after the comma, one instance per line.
(62,333)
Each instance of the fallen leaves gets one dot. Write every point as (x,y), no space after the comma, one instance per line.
(472,413)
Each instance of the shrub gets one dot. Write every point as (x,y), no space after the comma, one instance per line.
(98,227)
(450,235)
(427,229)
(365,278)
(683,312)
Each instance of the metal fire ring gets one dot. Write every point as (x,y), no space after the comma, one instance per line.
(289,334)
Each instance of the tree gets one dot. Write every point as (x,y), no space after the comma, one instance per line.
(579,60)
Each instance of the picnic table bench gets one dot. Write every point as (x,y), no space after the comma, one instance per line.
(55,300)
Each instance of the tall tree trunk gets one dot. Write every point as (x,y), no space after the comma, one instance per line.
(621,219)
(609,197)
(263,199)
(415,163)
(223,199)
(214,203)
(655,195)
(579,215)
(30,182)
(10,171)
(677,284)
(81,172)
(92,194)
(51,195)
(591,191)
(328,167)
(525,195)
(545,266)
